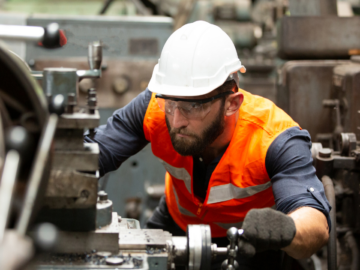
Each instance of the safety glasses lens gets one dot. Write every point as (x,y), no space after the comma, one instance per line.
(191,110)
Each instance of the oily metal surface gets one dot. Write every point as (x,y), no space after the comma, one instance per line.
(104,239)
(195,239)
(140,239)
(78,190)
(114,261)
(89,260)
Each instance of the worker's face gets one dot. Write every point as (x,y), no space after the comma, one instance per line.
(190,137)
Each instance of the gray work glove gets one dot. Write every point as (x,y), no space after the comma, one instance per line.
(265,229)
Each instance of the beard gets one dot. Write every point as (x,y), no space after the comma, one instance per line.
(195,145)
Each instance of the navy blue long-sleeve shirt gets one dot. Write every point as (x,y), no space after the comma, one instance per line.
(288,160)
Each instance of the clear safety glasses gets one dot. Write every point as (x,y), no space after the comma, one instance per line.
(189,108)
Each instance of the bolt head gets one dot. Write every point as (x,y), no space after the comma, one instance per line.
(71,98)
(103,196)
(92,102)
(90,90)
(92,94)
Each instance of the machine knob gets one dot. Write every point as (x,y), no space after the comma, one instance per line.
(103,196)
(85,84)
(52,36)
(19,139)
(347,143)
(57,104)
(232,235)
(121,85)
(45,237)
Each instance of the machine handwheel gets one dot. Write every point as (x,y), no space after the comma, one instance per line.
(199,247)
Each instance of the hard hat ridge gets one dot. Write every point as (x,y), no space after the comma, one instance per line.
(196,59)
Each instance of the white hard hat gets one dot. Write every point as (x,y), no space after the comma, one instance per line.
(196,59)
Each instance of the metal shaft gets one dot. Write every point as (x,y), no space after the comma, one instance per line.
(22,33)
(330,195)
(95,55)
(7,184)
(36,176)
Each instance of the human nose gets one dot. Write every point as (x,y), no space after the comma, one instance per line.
(178,119)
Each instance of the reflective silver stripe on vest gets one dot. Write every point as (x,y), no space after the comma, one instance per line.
(182,210)
(229,191)
(227,226)
(179,173)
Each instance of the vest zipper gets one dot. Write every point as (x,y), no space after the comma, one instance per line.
(199,209)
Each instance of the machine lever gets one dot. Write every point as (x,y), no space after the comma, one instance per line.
(231,263)
(50,37)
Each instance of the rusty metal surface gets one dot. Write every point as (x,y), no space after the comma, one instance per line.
(318,37)
(70,189)
(102,239)
(140,239)
(69,139)
(121,81)
(302,86)
(85,160)
(75,242)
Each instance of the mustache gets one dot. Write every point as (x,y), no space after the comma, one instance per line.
(182,131)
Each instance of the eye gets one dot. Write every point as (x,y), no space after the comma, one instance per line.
(169,102)
(195,105)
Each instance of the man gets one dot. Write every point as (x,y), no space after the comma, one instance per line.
(225,151)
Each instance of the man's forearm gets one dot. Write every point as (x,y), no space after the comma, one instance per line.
(312,232)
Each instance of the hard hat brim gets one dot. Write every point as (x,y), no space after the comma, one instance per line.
(186,91)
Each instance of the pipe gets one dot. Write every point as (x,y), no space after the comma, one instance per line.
(330,195)
(349,237)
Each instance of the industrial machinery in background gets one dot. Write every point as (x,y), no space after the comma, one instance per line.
(318,86)
(131,48)
(50,175)
(252,27)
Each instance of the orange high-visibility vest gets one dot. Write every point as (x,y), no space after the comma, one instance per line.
(239,182)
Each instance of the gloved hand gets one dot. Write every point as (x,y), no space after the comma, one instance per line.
(265,229)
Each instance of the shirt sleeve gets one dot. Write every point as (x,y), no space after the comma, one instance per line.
(123,135)
(294,182)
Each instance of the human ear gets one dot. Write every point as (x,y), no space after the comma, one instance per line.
(233,103)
